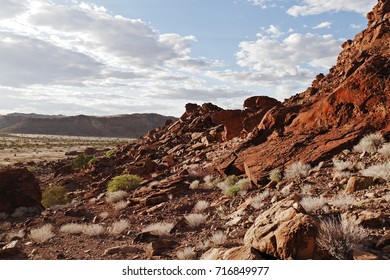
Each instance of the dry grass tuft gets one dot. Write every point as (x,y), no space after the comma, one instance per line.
(200,206)
(297,171)
(188,253)
(42,234)
(340,238)
(118,227)
(93,230)
(218,238)
(195,220)
(160,229)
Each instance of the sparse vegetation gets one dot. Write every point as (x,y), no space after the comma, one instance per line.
(200,206)
(42,234)
(72,228)
(194,185)
(125,182)
(378,171)
(312,204)
(188,253)
(82,161)
(257,201)
(118,227)
(160,229)
(340,238)
(218,238)
(297,171)
(275,175)
(195,220)
(93,230)
(114,197)
(385,150)
(55,195)
(369,143)
(340,165)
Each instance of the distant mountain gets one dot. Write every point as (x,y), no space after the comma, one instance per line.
(129,126)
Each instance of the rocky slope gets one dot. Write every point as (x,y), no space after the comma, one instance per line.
(291,180)
(128,126)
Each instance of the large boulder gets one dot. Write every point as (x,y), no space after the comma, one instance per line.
(19,188)
(283,232)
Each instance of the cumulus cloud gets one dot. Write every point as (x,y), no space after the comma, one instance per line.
(291,57)
(325,24)
(314,7)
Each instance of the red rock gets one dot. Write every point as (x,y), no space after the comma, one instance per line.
(232,121)
(19,187)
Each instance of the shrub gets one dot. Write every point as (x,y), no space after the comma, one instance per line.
(42,234)
(369,143)
(125,182)
(200,206)
(385,150)
(188,253)
(82,161)
(312,204)
(378,171)
(340,238)
(160,229)
(195,220)
(257,200)
(297,171)
(119,227)
(218,238)
(194,185)
(55,195)
(93,230)
(109,153)
(72,228)
(114,197)
(343,200)
(275,175)
(120,205)
(340,165)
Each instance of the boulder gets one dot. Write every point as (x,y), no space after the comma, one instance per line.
(357,183)
(19,188)
(283,232)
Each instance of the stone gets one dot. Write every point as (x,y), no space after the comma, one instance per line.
(122,250)
(357,183)
(232,121)
(363,255)
(158,248)
(19,188)
(283,233)
(236,253)
(384,241)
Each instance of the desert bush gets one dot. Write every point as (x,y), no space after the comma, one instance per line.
(340,165)
(258,200)
(232,185)
(82,161)
(42,234)
(55,195)
(378,171)
(118,227)
(312,204)
(211,182)
(195,220)
(339,175)
(125,182)
(109,153)
(369,143)
(72,228)
(93,230)
(297,171)
(160,229)
(114,197)
(343,201)
(194,185)
(200,206)
(275,175)
(340,238)
(188,253)
(385,150)
(120,205)
(218,238)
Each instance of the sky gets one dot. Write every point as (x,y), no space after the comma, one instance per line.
(109,57)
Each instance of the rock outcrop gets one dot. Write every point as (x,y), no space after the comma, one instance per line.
(18,188)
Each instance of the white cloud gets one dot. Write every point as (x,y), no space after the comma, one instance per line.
(290,58)
(261,3)
(325,24)
(274,31)
(356,26)
(314,7)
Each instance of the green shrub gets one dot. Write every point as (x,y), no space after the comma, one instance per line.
(275,175)
(109,153)
(55,195)
(82,161)
(125,182)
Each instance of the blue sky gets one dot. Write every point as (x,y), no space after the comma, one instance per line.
(114,57)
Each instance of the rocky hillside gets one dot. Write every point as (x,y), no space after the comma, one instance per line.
(308,178)
(128,126)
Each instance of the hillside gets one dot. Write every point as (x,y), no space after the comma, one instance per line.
(308,178)
(127,126)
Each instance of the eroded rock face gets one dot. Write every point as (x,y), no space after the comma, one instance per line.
(283,232)
(18,188)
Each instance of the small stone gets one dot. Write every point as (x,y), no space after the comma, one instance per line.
(122,250)
(363,255)
(357,183)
